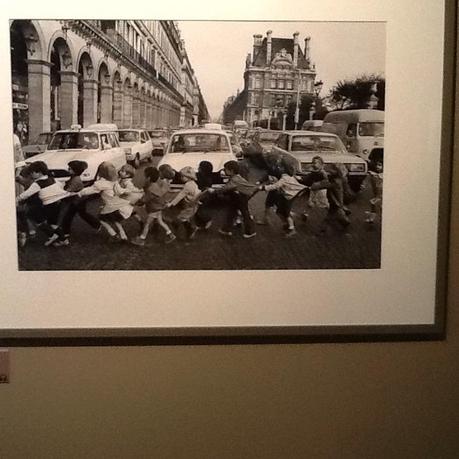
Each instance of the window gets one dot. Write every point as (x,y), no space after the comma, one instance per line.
(257,83)
(289,84)
(273,84)
(281,84)
(113,140)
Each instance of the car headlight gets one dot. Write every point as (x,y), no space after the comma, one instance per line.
(356,167)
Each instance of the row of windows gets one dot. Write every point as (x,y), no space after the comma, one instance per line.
(271,100)
(257,83)
(133,37)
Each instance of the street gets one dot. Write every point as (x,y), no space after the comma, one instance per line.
(357,248)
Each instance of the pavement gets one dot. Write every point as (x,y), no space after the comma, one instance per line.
(359,247)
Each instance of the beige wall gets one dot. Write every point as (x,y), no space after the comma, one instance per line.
(378,400)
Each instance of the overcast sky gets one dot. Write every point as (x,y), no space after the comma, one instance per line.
(218,49)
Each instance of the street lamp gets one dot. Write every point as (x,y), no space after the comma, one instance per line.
(297,109)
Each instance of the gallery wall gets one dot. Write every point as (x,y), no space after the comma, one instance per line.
(369,400)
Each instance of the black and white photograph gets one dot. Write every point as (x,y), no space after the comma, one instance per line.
(198,145)
(226,170)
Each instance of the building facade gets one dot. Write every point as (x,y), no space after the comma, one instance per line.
(86,71)
(277,72)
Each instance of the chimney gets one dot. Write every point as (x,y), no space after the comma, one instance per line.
(256,46)
(307,51)
(295,49)
(268,46)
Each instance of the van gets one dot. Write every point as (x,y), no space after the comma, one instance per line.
(360,130)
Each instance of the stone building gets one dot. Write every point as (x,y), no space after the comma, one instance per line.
(277,72)
(85,71)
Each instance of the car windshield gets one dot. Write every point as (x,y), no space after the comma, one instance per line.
(268,136)
(74,140)
(317,143)
(189,143)
(128,136)
(371,129)
(42,139)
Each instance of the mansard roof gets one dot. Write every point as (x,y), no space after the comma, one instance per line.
(277,44)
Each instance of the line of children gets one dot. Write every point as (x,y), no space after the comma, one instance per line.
(57,206)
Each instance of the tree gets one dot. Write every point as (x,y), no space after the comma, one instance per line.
(305,109)
(355,94)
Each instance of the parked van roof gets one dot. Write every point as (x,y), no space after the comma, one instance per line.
(354,116)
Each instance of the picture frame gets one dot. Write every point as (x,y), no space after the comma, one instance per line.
(244,318)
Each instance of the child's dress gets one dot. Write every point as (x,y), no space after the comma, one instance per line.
(111,202)
(188,199)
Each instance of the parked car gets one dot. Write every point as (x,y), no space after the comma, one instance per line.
(312,125)
(159,139)
(360,130)
(136,143)
(260,145)
(38,145)
(299,147)
(94,145)
(188,147)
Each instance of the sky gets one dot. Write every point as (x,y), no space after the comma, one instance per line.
(341,50)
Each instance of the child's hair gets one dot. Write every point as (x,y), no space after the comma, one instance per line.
(166,171)
(107,171)
(39,167)
(318,158)
(206,167)
(128,170)
(78,167)
(151,174)
(232,166)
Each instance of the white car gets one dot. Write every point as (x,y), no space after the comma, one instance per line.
(188,147)
(300,147)
(94,146)
(136,143)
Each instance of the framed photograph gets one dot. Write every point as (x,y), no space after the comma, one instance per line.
(226,174)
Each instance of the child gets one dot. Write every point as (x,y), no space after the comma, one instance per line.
(318,198)
(204,181)
(238,192)
(50,194)
(188,200)
(288,187)
(125,186)
(334,184)
(376,179)
(115,209)
(150,207)
(69,205)
(274,169)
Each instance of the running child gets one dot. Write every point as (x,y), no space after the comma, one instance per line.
(114,209)
(149,208)
(287,187)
